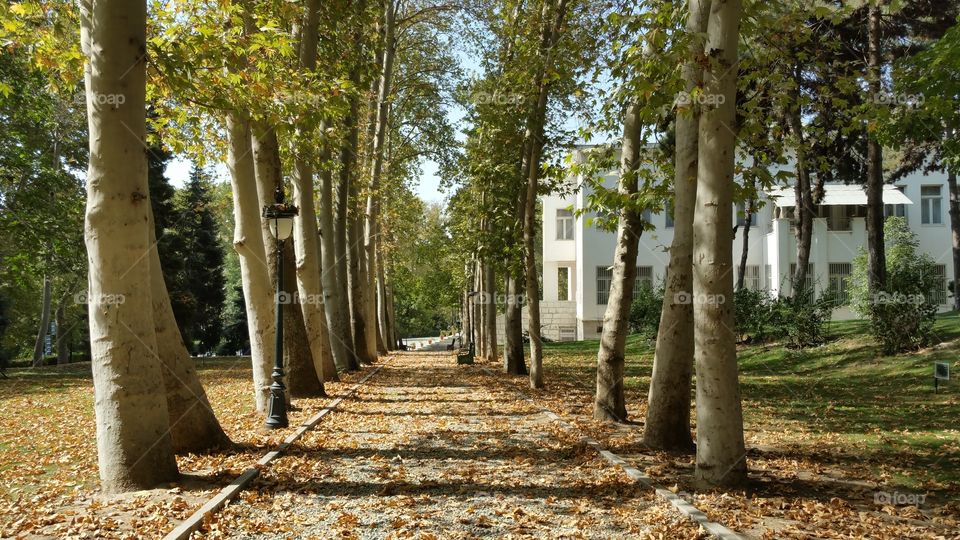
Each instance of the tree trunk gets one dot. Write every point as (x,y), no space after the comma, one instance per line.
(193,424)
(609,402)
(490,332)
(40,344)
(877,260)
(302,377)
(803,196)
(383,339)
(347,253)
(306,240)
(134,447)
(548,39)
(357,280)
(514,363)
(63,342)
(394,333)
(482,300)
(955,234)
(333,296)
(745,246)
(475,305)
(721,458)
(248,242)
(667,424)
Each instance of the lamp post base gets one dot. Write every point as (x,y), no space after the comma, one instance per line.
(277,411)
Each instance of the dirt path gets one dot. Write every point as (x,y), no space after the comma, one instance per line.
(427,449)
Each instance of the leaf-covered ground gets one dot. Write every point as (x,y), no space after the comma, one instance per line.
(426,449)
(431,449)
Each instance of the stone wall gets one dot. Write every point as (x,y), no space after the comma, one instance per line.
(558,321)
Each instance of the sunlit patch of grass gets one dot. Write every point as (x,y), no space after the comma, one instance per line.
(842,394)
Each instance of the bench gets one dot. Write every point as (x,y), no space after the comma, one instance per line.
(465,355)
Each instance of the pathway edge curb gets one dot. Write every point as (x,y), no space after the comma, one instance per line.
(682,505)
(230,492)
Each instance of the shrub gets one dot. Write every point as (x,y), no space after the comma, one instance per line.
(902,313)
(753,311)
(802,318)
(645,311)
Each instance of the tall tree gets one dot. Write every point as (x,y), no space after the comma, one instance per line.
(609,400)
(667,423)
(201,277)
(721,454)
(133,442)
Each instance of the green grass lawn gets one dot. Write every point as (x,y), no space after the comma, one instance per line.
(880,411)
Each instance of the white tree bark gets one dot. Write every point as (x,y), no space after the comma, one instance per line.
(721,458)
(610,402)
(667,424)
(333,291)
(134,448)
(193,424)
(306,239)
(248,242)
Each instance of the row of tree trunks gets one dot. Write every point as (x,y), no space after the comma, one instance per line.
(668,402)
(306,239)
(345,229)
(376,342)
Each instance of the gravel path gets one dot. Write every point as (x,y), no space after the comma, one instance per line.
(429,449)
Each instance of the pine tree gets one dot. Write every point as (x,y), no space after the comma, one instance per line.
(202,259)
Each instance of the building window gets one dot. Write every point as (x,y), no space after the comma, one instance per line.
(563,283)
(646,216)
(930,205)
(668,212)
(768,277)
(895,210)
(939,293)
(751,277)
(807,283)
(742,216)
(839,282)
(604,277)
(564,224)
(644,279)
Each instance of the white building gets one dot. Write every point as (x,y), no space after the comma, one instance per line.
(577,256)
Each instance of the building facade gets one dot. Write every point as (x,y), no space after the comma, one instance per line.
(577,256)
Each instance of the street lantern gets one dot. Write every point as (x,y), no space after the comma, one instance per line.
(280,218)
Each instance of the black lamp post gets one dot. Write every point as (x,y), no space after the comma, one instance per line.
(280,217)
